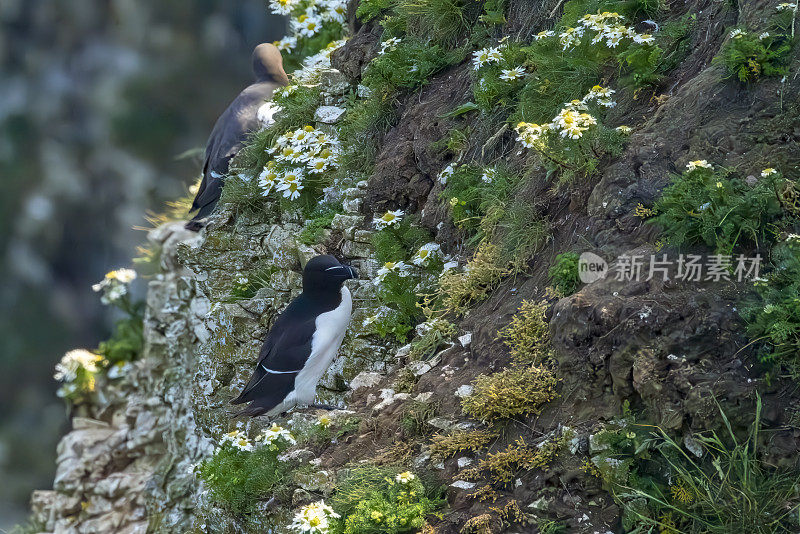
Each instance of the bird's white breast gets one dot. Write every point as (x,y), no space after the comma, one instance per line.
(330,329)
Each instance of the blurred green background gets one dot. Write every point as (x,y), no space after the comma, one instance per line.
(97,98)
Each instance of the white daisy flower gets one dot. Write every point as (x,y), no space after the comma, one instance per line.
(446,173)
(267,179)
(736,34)
(405,477)
(769,171)
(238,440)
(388,45)
(399,267)
(283,7)
(530,134)
(425,253)
(275,432)
(388,219)
(602,95)
(698,164)
(511,75)
(489,174)
(485,56)
(74,360)
(314,518)
(335,10)
(307,26)
(286,44)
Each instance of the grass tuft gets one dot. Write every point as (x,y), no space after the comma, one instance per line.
(515,391)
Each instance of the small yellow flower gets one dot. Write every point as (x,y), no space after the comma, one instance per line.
(453,202)
(376,516)
(719,185)
(324,421)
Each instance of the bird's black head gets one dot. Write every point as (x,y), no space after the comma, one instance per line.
(268,64)
(326,274)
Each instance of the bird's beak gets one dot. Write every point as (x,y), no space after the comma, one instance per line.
(346,270)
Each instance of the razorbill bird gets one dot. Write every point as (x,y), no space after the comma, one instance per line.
(247,113)
(303,342)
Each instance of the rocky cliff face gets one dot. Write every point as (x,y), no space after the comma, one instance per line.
(88,144)
(538,409)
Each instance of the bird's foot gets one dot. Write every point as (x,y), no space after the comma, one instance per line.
(323,406)
(194,226)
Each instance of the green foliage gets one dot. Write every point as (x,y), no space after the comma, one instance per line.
(519,229)
(494,12)
(718,209)
(730,488)
(459,290)
(407,66)
(438,332)
(442,21)
(548,526)
(399,241)
(245,197)
(371,500)
(31,526)
(564,273)
(371,9)
(749,56)
(528,334)
(572,154)
(127,338)
(484,202)
(247,284)
(326,430)
(361,131)
(459,441)
(239,480)
(647,66)
(775,319)
(555,78)
(501,467)
(298,107)
(318,221)
(416,415)
(517,390)
(399,291)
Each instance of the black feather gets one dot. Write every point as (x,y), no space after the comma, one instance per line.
(233,127)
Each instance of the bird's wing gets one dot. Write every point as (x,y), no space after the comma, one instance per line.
(285,351)
(227,137)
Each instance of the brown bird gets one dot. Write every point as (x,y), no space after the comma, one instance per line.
(247,113)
